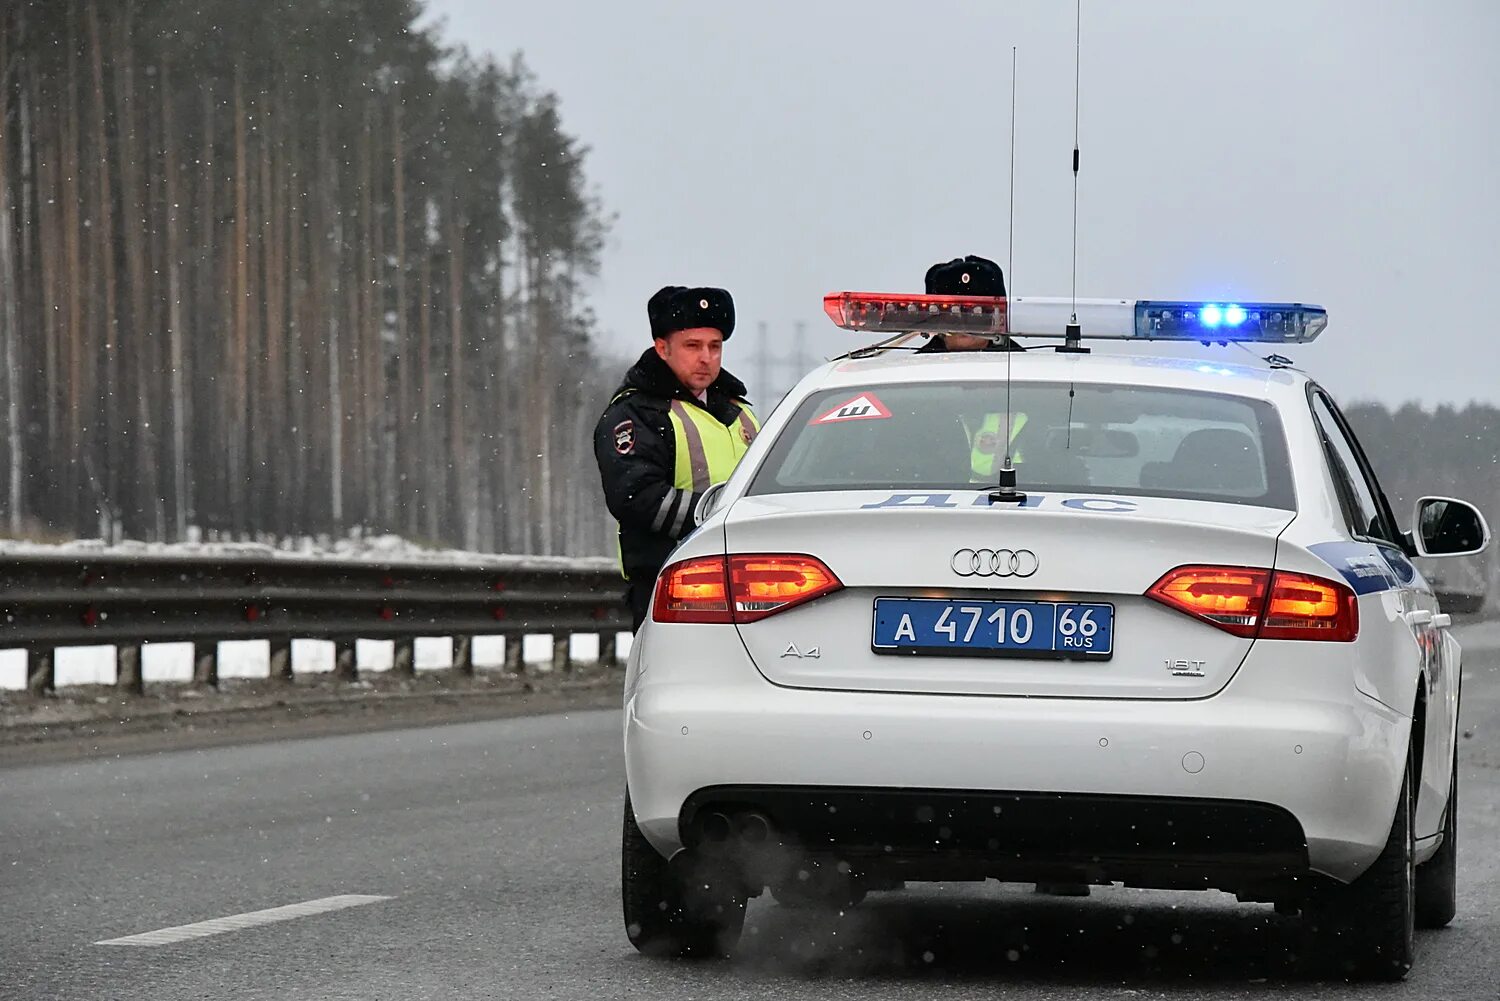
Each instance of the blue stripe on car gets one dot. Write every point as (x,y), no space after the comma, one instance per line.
(1368,568)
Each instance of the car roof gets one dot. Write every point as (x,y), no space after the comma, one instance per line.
(1279,385)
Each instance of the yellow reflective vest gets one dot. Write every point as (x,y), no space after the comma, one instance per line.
(984,443)
(707,451)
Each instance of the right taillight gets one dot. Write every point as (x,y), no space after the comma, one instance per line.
(1262,604)
(1303,607)
(740,588)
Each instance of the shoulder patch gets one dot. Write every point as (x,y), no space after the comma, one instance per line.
(624,433)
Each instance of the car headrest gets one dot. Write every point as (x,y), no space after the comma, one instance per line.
(1213,459)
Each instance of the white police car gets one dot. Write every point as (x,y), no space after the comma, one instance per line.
(1189,649)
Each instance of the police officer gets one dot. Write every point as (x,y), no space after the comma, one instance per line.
(677,425)
(969,275)
(973,275)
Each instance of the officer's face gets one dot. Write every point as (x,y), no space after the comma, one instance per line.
(965,342)
(694,356)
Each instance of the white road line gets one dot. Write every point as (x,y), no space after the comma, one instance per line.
(238,922)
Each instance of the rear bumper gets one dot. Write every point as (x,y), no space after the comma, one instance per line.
(964,834)
(1316,777)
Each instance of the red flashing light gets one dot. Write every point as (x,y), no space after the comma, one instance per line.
(883,312)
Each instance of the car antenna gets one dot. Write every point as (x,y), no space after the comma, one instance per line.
(1006,492)
(1073,333)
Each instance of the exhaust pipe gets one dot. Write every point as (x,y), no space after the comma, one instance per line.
(715,827)
(755,828)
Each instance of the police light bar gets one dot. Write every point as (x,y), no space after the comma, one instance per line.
(1100,319)
(881,312)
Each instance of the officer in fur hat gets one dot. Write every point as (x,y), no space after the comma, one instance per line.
(677,425)
(966,276)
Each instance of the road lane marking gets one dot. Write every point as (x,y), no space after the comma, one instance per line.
(239,922)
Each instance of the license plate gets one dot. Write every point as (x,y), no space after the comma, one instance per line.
(962,627)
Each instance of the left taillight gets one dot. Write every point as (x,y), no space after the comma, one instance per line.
(740,588)
(693,591)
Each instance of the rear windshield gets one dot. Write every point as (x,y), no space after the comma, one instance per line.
(1070,438)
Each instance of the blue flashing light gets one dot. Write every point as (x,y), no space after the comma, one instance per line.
(1263,322)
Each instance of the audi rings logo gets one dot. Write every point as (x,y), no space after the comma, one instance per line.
(994,563)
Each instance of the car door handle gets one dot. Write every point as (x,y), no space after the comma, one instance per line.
(1442,620)
(1419,617)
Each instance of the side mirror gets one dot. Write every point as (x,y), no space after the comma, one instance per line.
(706,503)
(1443,526)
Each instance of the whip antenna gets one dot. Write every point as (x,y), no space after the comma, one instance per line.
(1005,491)
(1073,333)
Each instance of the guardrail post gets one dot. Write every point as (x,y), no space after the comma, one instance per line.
(128,669)
(404,658)
(345,663)
(562,659)
(206,663)
(514,647)
(43,675)
(609,649)
(281,660)
(463,654)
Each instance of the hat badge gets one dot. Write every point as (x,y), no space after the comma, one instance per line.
(702,303)
(964,278)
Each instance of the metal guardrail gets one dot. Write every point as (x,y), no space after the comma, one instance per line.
(51,600)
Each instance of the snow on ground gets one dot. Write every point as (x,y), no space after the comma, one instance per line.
(95,665)
(373,549)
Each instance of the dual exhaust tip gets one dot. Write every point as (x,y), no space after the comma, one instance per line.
(750,827)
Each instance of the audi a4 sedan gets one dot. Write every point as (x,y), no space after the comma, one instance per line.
(1188,649)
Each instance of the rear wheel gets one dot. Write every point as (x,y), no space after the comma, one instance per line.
(660,919)
(1437,878)
(1366,929)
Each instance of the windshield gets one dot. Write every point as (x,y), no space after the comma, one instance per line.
(1063,437)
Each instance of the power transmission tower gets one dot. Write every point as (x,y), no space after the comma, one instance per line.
(777,372)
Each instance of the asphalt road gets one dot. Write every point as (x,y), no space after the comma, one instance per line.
(491,853)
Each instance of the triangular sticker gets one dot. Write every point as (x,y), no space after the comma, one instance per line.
(864,407)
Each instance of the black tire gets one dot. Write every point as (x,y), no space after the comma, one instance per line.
(1366,930)
(658,919)
(1437,878)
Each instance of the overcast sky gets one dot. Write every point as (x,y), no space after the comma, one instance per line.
(1337,153)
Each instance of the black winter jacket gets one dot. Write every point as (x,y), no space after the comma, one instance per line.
(636,452)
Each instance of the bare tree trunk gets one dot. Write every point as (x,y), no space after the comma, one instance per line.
(53,316)
(299,413)
(105,262)
(9,320)
(137,369)
(240,389)
(269,409)
(456,372)
(401,452)
(180,502)
(78,401)
(427,462)
(206,405)
(333,250)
